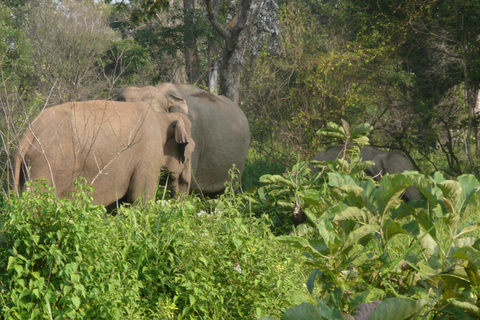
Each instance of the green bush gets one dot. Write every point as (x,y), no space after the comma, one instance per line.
(68,259)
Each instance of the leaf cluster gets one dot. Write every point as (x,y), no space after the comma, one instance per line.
(365,244)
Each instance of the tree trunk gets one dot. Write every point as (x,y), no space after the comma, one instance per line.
(236,45)
(214,56)
(191,55)
(213,64)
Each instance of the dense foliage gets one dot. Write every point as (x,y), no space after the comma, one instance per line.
(65,259)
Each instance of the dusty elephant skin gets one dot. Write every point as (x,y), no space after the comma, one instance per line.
(384,162)
(219,128)
(120,148)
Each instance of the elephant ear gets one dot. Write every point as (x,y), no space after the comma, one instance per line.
(176,104)
(378,169)
(182,137)
(181,133)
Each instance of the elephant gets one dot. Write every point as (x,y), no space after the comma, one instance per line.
(383,162)
(220,130)
(120,148)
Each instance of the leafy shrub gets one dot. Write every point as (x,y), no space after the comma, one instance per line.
(365,244)
(67,259)
(63,259)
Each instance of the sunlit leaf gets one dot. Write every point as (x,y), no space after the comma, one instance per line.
(464,305)
(390,189)
(472,205)
(353,214)
(470,254)
(393,228)
(358,234)
(397,309)
(452,192)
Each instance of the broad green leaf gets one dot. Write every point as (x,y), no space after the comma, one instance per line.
(429,245)
(452,192)
(76,301)
(455,277)
(393,228)
(326,230)
(472,205)
(277,180)
(304,311)
(464,242)
(360,166)
(424,220)
(352,214)
(354,195)
(464,305)
(469,184)
(205,262)
(438,177)
(390,189)
(311,280)
(358,234)
(469,254)
(346,126)
(307,311)
(467,229)
(364,310)
(424,185)
(336,179)
(361,130)
(302,243)
(398,309)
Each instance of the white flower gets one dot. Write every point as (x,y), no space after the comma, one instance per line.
(237,268)
(202,213)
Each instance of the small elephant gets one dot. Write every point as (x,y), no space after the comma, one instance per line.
(120,148)
(219,127)
(384,162)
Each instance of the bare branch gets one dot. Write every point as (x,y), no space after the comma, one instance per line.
(224,33)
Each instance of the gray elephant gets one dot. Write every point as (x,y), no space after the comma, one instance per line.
(384,162)
(120,148)
(219,128)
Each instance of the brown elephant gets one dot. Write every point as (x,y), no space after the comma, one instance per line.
(219,128)
(384,162)
(120,148)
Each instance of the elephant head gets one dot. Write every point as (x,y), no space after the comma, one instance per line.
(384,162)
(158,100)
(120,148)
(393,162)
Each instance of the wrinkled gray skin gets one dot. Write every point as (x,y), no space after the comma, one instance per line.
(120,148)
(384,162)
(219,128)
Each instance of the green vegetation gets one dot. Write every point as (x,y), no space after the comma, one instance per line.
(240,257)
(66,259)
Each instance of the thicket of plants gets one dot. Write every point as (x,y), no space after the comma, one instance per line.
(362,253)
(67,259)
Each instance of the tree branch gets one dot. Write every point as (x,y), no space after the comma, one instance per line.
(224,33)
(242,16)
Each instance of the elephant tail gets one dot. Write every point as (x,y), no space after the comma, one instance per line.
(20,169)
